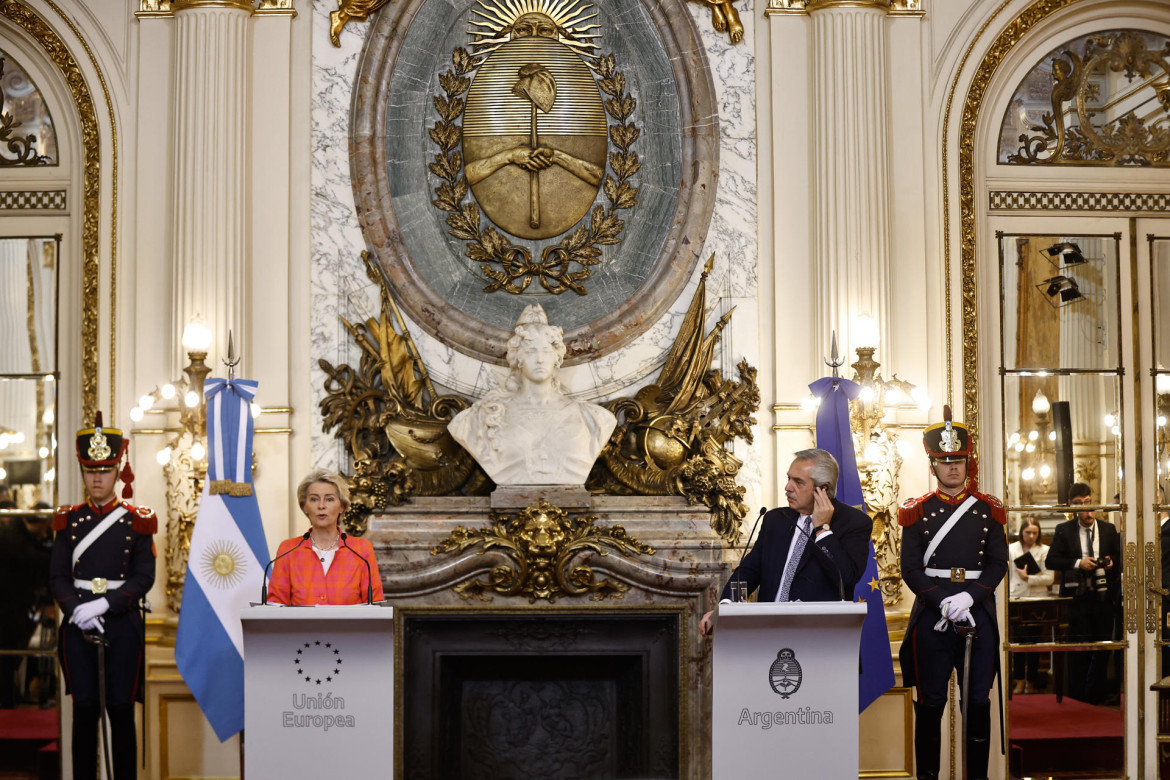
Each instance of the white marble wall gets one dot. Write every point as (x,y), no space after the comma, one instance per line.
(340,286)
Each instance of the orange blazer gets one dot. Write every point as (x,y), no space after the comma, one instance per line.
(297,578)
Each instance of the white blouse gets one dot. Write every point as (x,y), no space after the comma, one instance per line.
(1037,585)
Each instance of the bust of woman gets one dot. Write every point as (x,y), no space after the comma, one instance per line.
(529,432)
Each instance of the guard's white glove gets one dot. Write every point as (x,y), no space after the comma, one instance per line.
(966,615)
(93,624)
(88,611)
(953,606)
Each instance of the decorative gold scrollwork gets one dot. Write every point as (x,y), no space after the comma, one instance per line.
(23,149)
(391,419)
(1076,131)
(671,436)
(1130,581)
(541,542)
(184,476)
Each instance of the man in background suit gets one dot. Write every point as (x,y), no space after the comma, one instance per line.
(814,549)
(1087,553)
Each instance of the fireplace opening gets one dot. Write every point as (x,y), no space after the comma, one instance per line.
(551,696)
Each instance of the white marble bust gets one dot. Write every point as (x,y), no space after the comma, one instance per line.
(529,432)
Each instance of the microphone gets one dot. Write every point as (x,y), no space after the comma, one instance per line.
(264,582)
(836,568)
(362,558)
(747,544)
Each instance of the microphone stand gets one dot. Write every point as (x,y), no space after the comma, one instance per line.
(264,581)
(369,580)
(737,581)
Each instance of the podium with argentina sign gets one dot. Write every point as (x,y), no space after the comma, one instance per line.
(785,695)
(319,691)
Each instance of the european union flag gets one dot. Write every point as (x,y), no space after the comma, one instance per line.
(835,435)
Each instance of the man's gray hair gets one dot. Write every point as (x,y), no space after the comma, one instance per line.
(824,468)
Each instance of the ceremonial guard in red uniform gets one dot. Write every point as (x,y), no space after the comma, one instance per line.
(954,554)
(101,568)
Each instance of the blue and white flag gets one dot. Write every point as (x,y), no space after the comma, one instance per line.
(835,435)
(225,565)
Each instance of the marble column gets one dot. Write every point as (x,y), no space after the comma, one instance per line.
(210,204)
(850,171)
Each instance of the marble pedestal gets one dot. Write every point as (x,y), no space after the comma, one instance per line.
(682,576)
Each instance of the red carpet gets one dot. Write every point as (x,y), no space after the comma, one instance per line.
(1042,731)
(39,725)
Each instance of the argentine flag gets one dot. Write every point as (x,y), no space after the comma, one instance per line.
(224,569)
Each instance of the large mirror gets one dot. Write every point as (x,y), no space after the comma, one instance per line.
(28,473)
(1062,439)
(1160,337)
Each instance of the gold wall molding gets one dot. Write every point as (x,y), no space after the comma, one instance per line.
(1007,200)
(804,7)
(167,8)
(58,52)
(184,5)
(1003,43)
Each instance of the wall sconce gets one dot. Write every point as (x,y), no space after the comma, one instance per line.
(879,457)
(1060,290)
(184,457)
(1065,254)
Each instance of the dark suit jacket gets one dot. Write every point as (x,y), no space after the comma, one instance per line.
(816,578)
(1066,549)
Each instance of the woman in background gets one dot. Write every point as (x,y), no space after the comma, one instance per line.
(1023,585)
(324,566)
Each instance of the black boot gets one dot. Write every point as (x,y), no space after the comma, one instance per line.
(123,741)
(927,740)
(85,740)
(978,740)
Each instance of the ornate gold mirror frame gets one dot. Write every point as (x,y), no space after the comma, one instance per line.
(57,51)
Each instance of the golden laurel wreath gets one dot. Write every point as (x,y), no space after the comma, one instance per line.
(512,268)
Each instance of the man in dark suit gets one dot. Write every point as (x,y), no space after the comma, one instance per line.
(814,549)
(1087,553)
(954,554)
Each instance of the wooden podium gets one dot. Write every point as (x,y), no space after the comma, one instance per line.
(318,691)
(784,698)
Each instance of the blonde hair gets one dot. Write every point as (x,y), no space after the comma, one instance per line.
(328,477)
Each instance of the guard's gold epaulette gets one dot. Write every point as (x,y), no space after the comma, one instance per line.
(998,510)
(145,521)
(910,512)
(61,517)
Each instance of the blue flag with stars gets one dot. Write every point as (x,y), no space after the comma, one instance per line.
(835,435)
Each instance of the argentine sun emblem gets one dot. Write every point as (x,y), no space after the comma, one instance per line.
(785,673)
(543,113)
(223,564)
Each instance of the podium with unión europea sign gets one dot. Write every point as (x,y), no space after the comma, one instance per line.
(784,689)
(318,691)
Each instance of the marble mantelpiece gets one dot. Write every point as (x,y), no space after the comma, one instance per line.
(686,570)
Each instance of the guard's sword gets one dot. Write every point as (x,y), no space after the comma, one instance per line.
(103,722)
(968,634)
